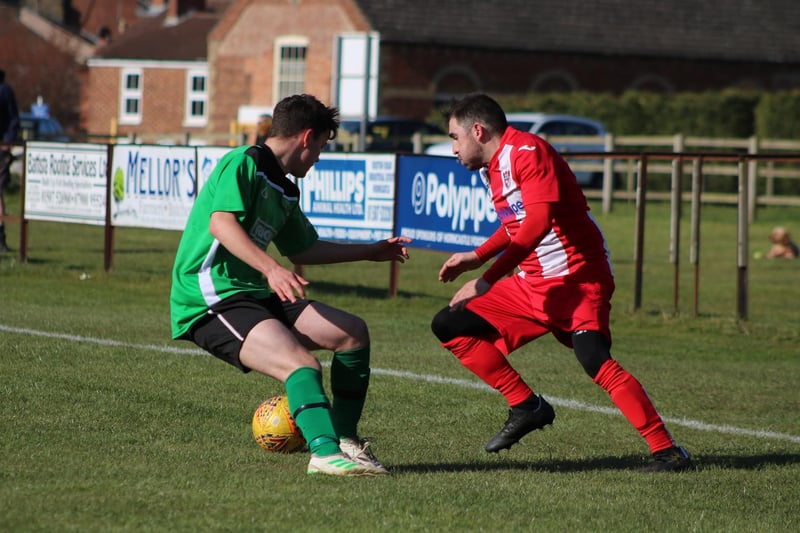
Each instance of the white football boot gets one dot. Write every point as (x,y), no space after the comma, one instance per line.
(358,450)
(340,464)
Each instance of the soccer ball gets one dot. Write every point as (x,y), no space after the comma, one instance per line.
(274,428)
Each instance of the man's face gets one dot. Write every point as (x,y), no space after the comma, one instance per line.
(465,144)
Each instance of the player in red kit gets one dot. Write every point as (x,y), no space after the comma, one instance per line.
(564,284)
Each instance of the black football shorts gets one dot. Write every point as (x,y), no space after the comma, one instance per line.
(223,330)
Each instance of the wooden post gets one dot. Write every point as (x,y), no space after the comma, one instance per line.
(752,171)
(675,217)
(394,269)
(108,244)
(233,130)
(608,174)
(742,242)
(694,248)
(638,251)
(23,224)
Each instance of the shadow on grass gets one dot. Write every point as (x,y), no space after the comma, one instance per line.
(628,462)
(600,463)
(374,293)
(30,260)
(749,462)
(139,251)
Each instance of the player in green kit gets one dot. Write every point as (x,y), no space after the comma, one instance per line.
(237,302)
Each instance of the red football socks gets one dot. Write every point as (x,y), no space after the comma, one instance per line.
(484,360)
(630,397)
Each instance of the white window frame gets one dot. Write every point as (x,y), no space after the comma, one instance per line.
(193,96)
(291,71)
(126,94)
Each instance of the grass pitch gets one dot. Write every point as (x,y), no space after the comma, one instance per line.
(107,425)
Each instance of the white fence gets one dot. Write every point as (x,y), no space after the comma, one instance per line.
(619,173)
(768,161)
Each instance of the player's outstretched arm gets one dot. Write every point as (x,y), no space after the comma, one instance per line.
(327,252)
(457,264)
(462,262)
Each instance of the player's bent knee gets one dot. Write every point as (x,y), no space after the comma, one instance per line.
(345,331)
(450,323)
(358,330)
(441,327)
(592,349)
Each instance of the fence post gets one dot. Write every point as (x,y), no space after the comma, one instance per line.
(23,223)
(752,172)
(416,142)
(675,215)
(638,250)
(233,132)
(694,247)
(608,174)
(742,242)
(108,233)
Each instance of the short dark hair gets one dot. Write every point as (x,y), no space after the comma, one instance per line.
(296,113)
(2,75)
(479,107)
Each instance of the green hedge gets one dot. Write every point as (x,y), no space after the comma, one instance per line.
(778,115)
(727,114)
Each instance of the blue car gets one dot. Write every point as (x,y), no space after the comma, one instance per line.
(40,128)
(35,127)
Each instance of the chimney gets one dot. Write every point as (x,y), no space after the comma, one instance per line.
(172,11)
(178,8)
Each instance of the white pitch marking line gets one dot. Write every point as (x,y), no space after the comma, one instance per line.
(427,378)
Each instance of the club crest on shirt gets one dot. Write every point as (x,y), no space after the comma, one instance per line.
(262,233)
(506,174)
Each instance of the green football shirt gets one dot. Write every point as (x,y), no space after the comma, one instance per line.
(249,182)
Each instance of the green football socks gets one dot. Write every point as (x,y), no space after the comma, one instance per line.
(349,383)
(311,410)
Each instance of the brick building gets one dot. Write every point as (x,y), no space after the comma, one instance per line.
(154,77)
(191,67)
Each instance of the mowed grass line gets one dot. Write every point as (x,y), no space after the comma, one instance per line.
(424,378)
(114,437)
(152,442)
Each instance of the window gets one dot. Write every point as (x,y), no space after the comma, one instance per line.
(558,127)
(290,65)
(652,83)
(452,83)
(196,98)
(553,81)
(131,92)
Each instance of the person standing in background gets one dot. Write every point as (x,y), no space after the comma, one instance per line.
(782,245)
(262,128)
(9,125)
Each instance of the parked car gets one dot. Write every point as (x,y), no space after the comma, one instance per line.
(40,128)
(389,134)
(548,124)
(35,127)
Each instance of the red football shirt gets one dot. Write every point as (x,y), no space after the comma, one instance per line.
(527,171)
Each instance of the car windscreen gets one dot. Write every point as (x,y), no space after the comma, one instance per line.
(522,125)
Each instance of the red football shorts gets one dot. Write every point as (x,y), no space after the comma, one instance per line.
(525,309)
